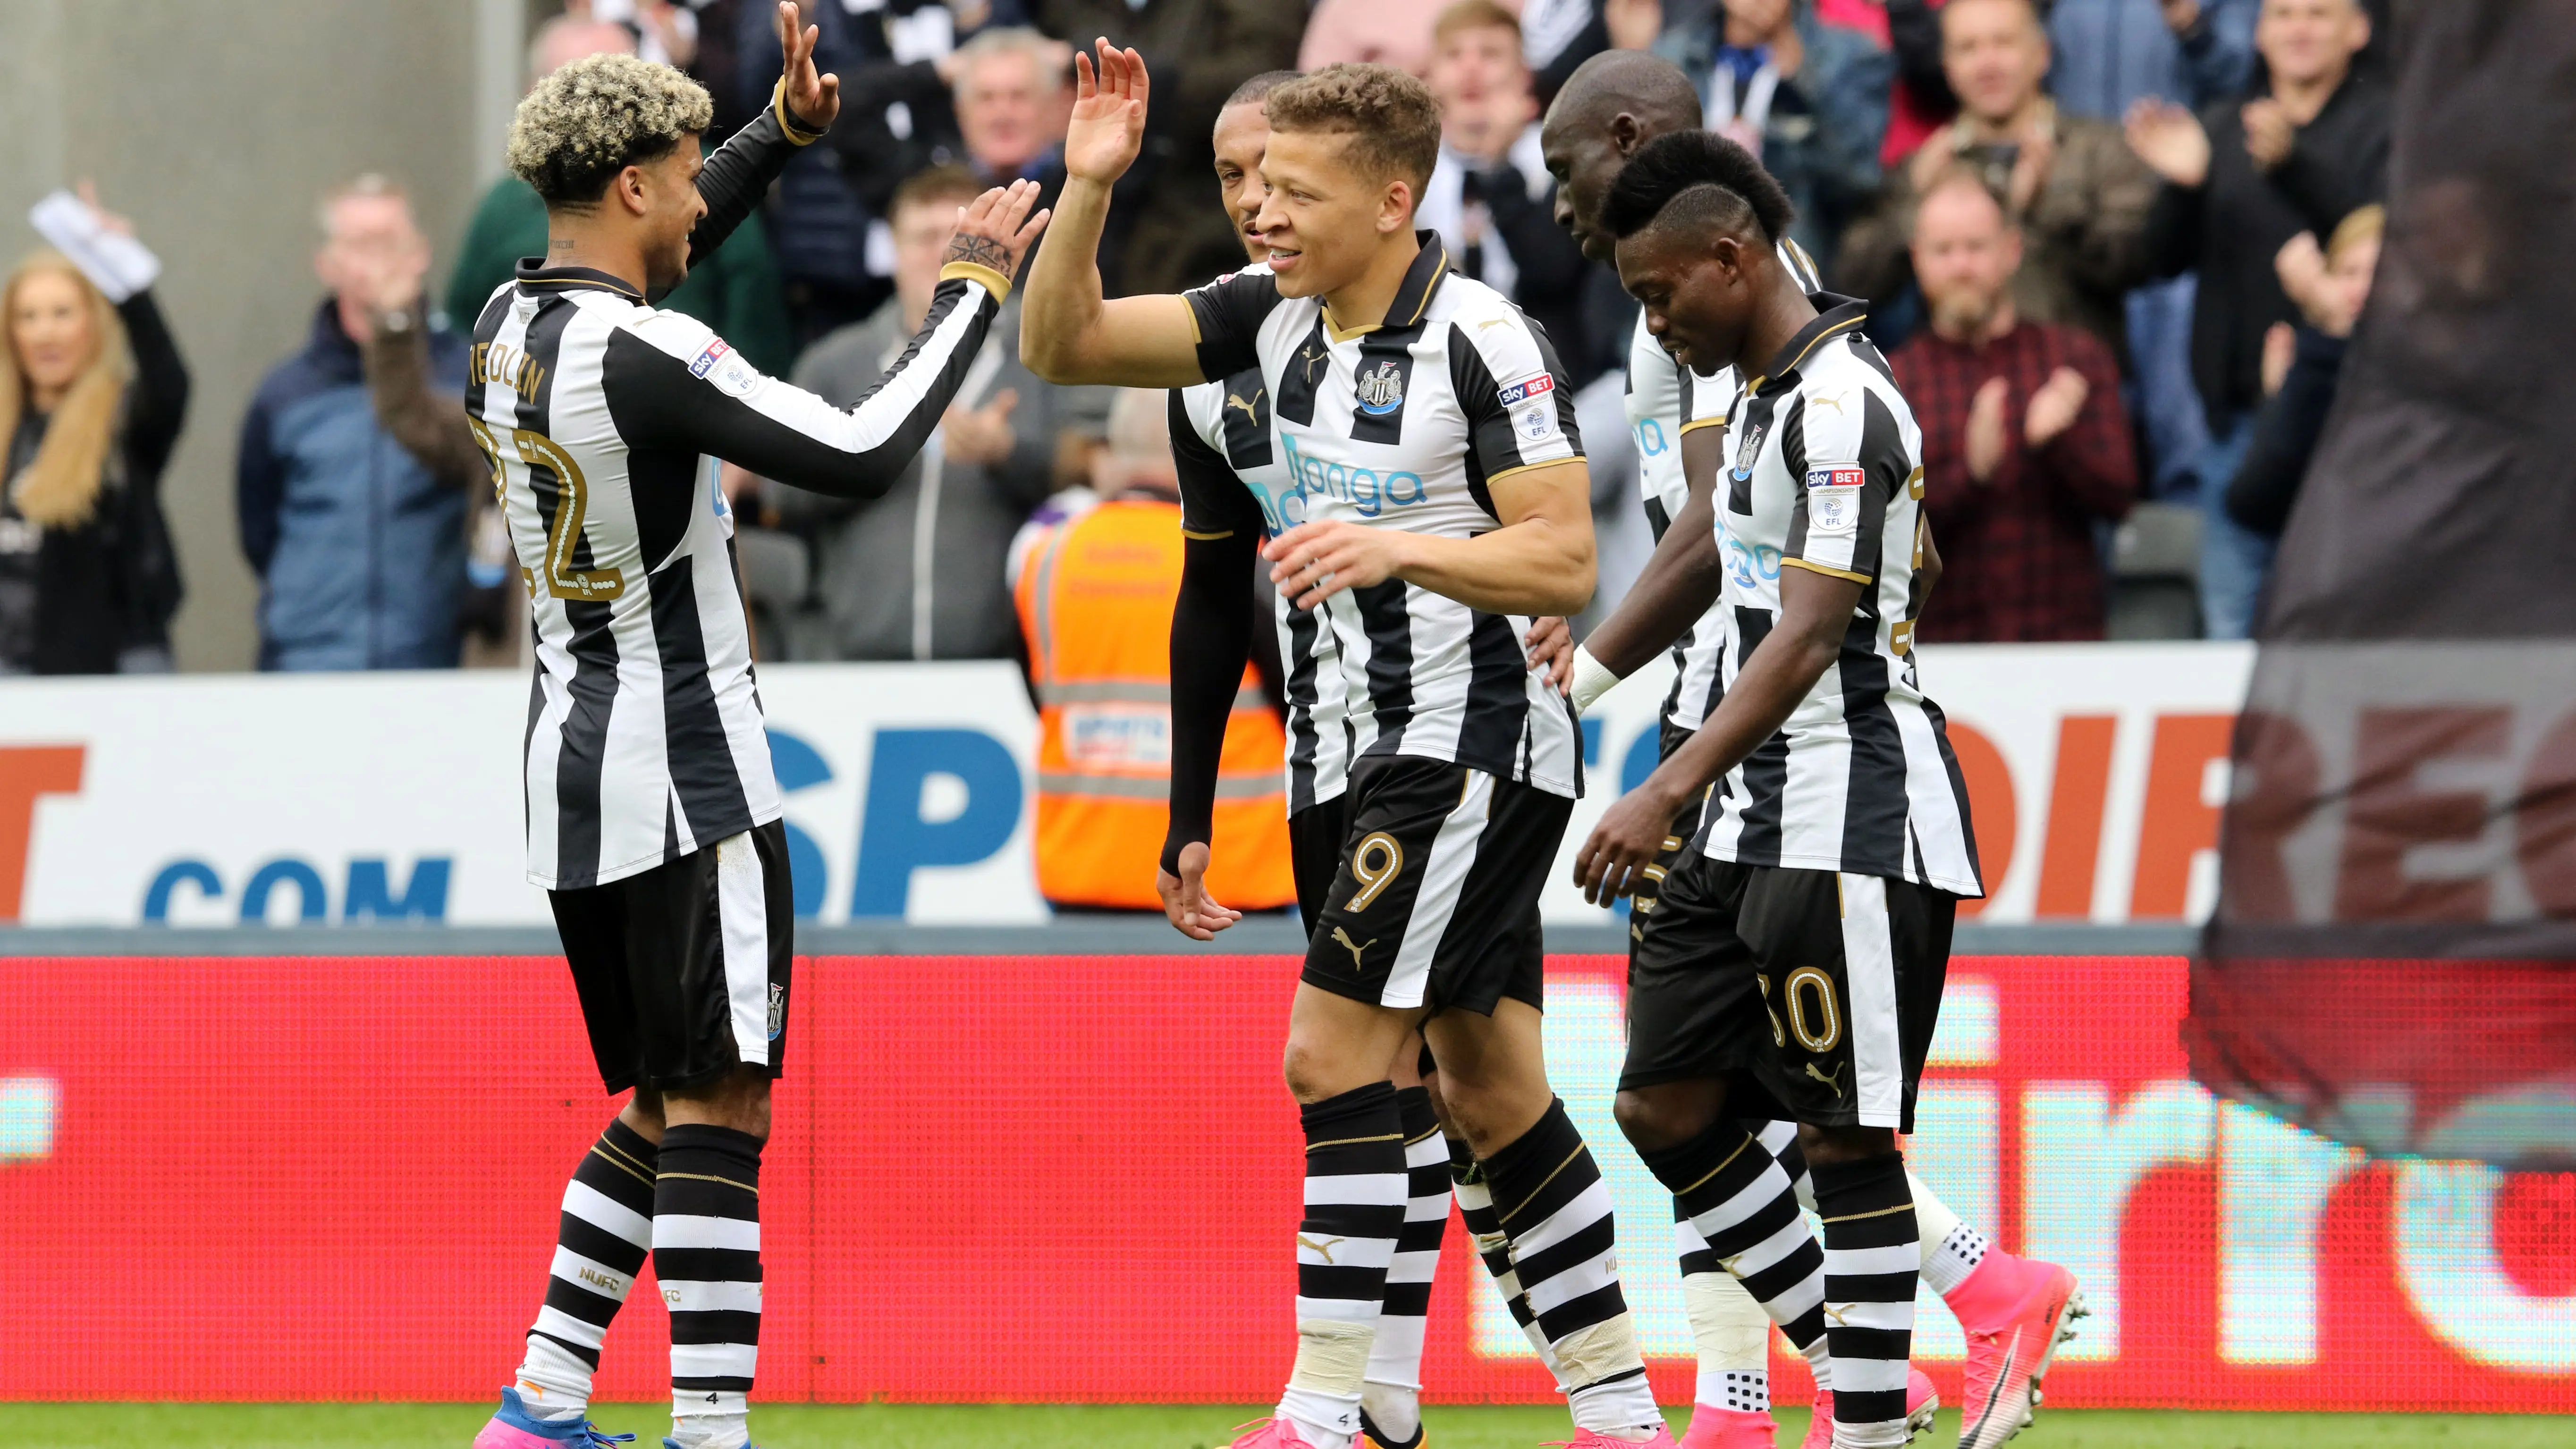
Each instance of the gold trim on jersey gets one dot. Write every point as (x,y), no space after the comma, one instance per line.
(1817,568)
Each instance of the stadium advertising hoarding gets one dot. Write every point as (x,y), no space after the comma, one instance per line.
(2096,774)
(1073,1179)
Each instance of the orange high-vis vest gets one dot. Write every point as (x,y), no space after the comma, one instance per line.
(1095,601)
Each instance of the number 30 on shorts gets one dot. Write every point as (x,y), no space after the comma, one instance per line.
(1375,863)
(1815,1016)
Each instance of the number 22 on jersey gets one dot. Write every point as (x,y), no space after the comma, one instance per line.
(572,496)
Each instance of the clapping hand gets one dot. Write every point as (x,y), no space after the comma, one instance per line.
(2170,140)
(2055,407)
(980,436)
(1108,126)
(2269,132)
(814,100)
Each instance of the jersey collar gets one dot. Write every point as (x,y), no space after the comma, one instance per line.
(1835,316)
(1412,296)
(536,277)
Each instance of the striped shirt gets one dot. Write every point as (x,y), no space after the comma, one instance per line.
(1828,477)
(1404,425)
(1666,401)
(605,419)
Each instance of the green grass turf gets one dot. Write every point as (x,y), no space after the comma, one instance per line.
(914,1426)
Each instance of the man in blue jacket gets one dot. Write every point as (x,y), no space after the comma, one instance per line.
(360,549)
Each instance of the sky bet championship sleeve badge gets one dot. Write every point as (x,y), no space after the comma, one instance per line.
(1833,500)
(1533,410)
(1382,390)
(718,363)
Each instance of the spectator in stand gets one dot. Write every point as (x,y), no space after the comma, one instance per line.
(92,393)
(1490,196)
(1922,102)
(1557,35)
(735,291)
(899,105)
(1808,98)
(2240,180)
(1014,98)
(1198,51)
(360,549)
(2024,445)
(917,573)
(2078,195)
(2302,363)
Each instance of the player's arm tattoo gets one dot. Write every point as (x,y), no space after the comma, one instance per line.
(983,251)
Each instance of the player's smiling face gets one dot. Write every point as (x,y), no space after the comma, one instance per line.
(672,206)
(1242,136)
(1324,219)
(1697,303)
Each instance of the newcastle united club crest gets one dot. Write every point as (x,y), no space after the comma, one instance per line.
(1381,389)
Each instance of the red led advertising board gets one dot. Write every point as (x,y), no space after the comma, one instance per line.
(1030,1179)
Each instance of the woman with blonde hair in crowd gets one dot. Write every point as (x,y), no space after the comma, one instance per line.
(92,393)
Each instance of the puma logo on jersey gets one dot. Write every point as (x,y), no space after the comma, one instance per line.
(1323,1250)
(1354,947)
(1832,400)
(1492,322)
(1310,356)
(1233,400)
(1830,1081)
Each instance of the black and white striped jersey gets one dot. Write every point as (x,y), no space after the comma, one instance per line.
(605,418)
(1665,401)
(1828,477)
(1404,425)
(1222,448)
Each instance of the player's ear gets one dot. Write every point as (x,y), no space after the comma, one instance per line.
(1395,207)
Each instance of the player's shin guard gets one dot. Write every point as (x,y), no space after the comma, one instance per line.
(1742,1203)
(1493,1249)
(706,1252)
(1731,1331)
(1552,1203)
(1392,1394)
(1355,1202)
(604,1233)
(1872,1254)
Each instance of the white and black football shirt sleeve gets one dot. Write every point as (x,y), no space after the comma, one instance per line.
(1518,403)
(1845,457)
(675,388)
(1213,619)
(1226,315)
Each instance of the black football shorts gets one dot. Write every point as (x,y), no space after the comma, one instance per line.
(1821,988)
(683,969)
(1434,900)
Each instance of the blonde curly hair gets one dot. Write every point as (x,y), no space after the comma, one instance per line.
(597,116)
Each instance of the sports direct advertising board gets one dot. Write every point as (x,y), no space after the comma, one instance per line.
(1077,1179)
(2095,771)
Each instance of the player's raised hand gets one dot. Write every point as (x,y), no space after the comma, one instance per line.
(814,100)
(1186,902)
(995,229)
(1108,114)
(1314,561)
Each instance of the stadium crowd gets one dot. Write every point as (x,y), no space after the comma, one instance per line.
(2113,249)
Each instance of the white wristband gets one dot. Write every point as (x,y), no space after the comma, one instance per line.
(1592,679)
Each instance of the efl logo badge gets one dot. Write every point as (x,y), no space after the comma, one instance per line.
(1833,501)
(1532,410)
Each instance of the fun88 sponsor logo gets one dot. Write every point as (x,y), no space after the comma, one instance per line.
(1309,477)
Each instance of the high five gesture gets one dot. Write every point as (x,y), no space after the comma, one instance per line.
(1108,114)
(813,100)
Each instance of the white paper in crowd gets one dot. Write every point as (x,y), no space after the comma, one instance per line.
(115,263)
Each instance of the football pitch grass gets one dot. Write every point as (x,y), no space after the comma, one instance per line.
(924,1426)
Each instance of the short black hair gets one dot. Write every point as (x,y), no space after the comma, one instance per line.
(1259,88)
(1679,163)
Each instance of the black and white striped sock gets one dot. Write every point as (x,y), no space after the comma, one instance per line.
(1355,1198)
(1552,1203)
(1392,1396)
(1873,1252)
(1493,1249)
(706,1252)
(1742,1203)
(600,1243)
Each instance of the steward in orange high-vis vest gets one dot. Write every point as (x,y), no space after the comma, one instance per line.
(1095,598)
